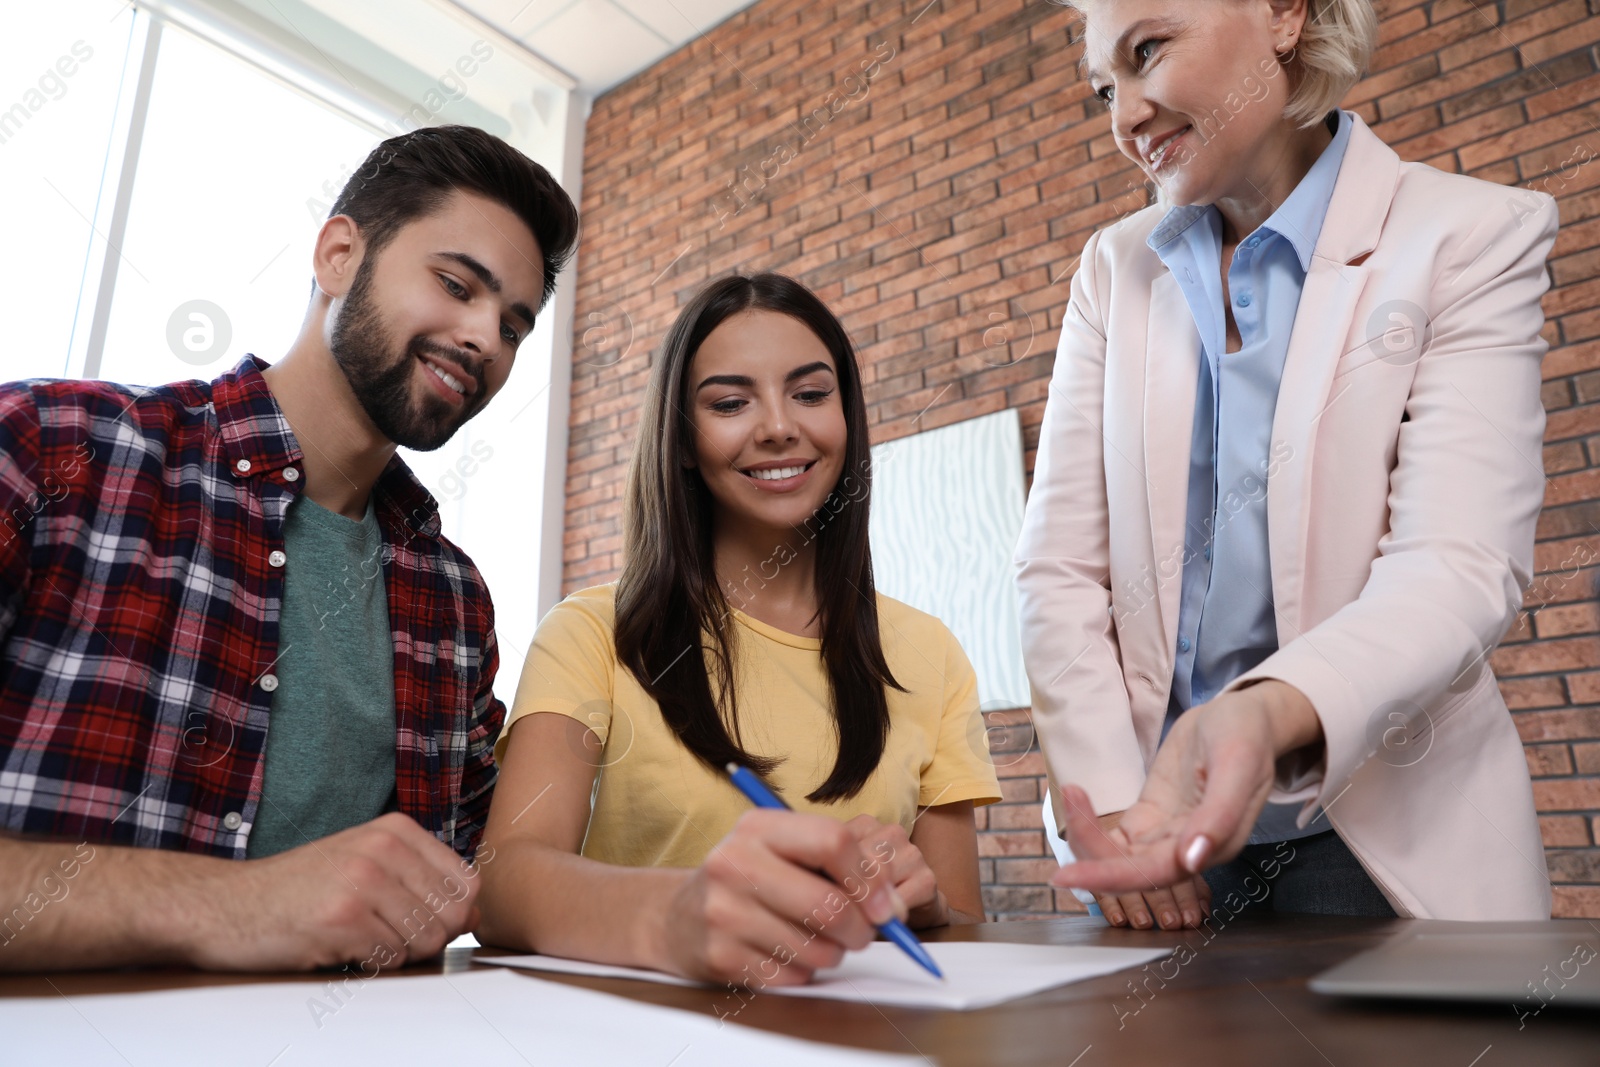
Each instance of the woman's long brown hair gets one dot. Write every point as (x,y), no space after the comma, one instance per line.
(668,598)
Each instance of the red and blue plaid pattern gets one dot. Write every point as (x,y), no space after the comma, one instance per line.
(141,577)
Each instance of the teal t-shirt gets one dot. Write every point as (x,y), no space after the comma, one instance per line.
(331,734)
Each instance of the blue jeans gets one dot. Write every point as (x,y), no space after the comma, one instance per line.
(1315,875)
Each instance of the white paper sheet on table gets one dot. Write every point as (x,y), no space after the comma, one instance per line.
(487,1018)
(977,973)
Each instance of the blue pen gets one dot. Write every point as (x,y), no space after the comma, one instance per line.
(894,929)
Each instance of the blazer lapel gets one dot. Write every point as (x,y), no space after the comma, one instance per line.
(1172,369)
(1327,305)
(1362,196)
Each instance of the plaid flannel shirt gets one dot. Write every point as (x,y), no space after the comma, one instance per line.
(141,578)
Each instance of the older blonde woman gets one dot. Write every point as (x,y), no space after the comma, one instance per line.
(1286,491)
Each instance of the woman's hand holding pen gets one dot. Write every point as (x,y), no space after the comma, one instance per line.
(909,872)
(757,912)
(1207,785)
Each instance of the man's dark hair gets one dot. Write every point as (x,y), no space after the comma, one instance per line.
(410,176)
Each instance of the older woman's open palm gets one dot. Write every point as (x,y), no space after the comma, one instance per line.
(1208,783)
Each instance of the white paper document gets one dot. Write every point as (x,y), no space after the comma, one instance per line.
(484,1017)
(977,973)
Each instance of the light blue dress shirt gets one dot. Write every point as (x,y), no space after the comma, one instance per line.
(1225,618)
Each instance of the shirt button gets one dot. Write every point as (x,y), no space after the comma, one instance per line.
(1183,644)
(276,558)
(1208,553)
(269,682)
(243,466)
(1244,300)
(233,820)
(290,474)
(1252,242)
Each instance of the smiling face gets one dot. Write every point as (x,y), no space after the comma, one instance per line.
(430,325)
(767,420)
(1195,88)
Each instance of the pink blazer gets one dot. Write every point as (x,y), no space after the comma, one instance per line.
(1406,482)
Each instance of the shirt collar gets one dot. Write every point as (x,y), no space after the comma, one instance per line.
(404,506)
(255,433)
(1174,223)
(1298,219)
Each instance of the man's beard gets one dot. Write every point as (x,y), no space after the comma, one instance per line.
(382,383)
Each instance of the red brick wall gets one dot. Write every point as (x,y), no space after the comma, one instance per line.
(938,206)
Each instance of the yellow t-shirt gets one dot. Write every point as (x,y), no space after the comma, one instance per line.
(657,805)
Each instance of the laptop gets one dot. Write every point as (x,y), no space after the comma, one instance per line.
(1530,965)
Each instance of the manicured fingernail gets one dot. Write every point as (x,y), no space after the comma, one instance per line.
(1116,918)
(1191,919)
(1196,853)
(880,909)
(1169,920)
(1141,920)
(899,902)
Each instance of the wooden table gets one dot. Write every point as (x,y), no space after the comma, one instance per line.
(1241,1000)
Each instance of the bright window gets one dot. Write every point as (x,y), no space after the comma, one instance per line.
(60,68)
(235,176)
(209,236)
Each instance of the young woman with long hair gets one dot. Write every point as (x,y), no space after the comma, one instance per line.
(745,628)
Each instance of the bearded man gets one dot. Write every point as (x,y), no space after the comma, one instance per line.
(246,703)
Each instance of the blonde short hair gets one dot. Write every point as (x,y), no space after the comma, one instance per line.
(1332,55)
(1329,58)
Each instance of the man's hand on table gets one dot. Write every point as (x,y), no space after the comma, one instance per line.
(377,895)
